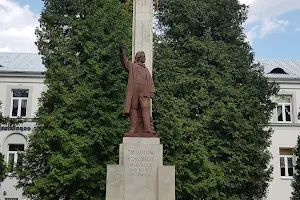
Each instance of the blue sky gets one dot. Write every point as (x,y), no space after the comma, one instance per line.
(274,30)
(273,27)
(35,5)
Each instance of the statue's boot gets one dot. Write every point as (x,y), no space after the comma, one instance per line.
(146,120)
(133,123)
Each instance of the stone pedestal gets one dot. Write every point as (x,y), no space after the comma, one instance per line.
(140,174)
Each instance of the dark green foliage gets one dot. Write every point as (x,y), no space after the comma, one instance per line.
(296,181)
(79,122)
(3,168)
(5,120)
(212,102)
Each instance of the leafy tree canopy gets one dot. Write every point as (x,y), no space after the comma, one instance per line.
(213,101)
(6,120)
(79,121)
(296,181)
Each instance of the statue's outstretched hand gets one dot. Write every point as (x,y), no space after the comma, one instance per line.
(122,48)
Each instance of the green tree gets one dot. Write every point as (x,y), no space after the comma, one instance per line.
(296,181)
(5,120)
(80,121)
(3,167)
(213,101)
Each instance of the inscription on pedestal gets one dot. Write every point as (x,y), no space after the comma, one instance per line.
(141,162)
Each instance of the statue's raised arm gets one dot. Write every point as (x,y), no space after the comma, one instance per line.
(123,57)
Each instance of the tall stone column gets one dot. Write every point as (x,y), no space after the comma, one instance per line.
(142,33)
(142,30)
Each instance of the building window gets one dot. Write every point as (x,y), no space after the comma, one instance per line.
(284,108)
(286,162)
(11,198)
(14,158)
(19,102)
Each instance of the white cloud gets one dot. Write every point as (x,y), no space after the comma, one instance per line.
(5,49)
(272,25)
(251,34)
(247,2)
(266,14)
(17,26)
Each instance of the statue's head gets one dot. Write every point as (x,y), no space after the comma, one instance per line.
(140,57)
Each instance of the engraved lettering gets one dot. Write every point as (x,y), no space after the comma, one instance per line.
(140,162)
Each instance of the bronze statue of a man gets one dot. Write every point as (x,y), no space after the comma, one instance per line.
(140,88)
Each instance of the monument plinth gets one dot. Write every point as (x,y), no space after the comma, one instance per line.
(140,174)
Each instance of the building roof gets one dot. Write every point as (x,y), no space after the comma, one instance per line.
(32,62)
(21,62)
(281,69)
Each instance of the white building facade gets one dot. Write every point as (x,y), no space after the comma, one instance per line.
(285,124)
(22,82)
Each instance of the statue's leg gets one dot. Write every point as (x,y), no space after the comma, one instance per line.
(140,124)
(133,120)
(133,114)
(145,105)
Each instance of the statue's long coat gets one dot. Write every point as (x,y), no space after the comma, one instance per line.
(133,69)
